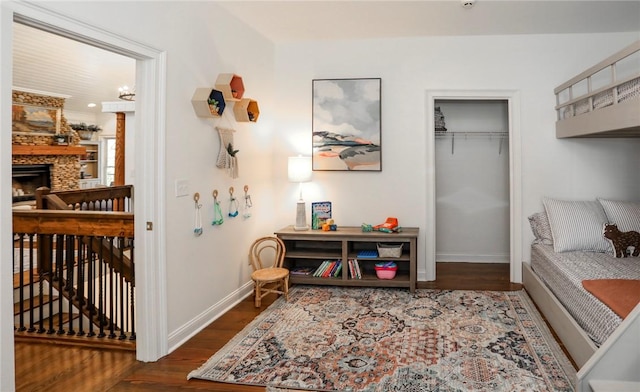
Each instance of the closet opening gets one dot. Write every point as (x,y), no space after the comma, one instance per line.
(472,180)
(495,111)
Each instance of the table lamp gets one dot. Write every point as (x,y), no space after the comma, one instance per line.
(300,171)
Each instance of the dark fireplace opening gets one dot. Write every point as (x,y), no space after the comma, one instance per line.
(25,179)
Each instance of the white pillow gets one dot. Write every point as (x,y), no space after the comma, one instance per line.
(577,225)
(625,214)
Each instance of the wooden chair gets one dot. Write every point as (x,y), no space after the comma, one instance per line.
(266,258)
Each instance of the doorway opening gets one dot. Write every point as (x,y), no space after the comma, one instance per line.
(472,181)
(149,161)
(502,137)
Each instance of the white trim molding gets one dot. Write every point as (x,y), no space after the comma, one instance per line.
(515,175)
(150,129)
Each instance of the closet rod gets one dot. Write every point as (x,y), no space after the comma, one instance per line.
(500,134)
(475,134)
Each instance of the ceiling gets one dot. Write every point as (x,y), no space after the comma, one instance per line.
(56,65)
(285,21)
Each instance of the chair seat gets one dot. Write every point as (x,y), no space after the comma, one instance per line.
(269,274)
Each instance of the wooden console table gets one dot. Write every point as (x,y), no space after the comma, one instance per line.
(311,247)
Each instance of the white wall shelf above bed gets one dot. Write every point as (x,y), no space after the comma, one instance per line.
(603,100)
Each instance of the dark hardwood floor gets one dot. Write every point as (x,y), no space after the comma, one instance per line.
(50,367)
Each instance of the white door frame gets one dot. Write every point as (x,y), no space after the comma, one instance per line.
(515,175)
(150,253)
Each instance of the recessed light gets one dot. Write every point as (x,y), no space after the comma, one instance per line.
(91,105)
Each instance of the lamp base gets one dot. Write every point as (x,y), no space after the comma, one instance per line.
(301,217)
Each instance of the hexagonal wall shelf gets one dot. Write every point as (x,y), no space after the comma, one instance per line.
(246,110)
(208,102)
(231,86)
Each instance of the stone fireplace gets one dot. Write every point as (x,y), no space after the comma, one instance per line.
(62,161)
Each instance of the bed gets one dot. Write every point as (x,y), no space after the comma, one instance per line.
(568,249)
(603,100)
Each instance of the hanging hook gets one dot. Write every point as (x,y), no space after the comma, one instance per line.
(197,230)
(233,204)
(217,212)
(246,213)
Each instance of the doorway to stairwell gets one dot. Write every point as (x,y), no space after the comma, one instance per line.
(150,83)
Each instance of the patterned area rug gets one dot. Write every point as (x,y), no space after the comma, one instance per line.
(375,339)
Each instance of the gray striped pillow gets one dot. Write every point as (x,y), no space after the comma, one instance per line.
(576,225)
(540,228)
(625,214)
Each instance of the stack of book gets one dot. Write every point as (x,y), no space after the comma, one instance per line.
(302,271)
(354,269)
(329,269)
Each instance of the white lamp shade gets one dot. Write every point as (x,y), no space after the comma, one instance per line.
(300,169)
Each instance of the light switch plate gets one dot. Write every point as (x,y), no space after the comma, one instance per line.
(182,188)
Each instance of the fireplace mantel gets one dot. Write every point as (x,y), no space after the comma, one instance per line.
(48,150)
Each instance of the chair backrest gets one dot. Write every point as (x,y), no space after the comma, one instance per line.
(267,252)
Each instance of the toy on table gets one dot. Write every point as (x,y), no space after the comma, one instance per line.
(389,226)
(329,225)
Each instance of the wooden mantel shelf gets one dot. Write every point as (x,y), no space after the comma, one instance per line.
(48,150)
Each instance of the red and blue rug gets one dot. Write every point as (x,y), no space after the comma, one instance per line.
(378,339)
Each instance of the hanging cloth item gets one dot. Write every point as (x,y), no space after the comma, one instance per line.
(233,204)
(217,211)
(197,227)
(227,155)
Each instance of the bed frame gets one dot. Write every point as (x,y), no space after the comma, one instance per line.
(573,337)
(602,111)
(612,367)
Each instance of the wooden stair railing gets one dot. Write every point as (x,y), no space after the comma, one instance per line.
(75,255)
(114,198)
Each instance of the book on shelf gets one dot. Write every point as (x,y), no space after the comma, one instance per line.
(318,272)
(354,269)
(328,269)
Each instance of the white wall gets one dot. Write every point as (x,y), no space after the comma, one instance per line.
(533,65)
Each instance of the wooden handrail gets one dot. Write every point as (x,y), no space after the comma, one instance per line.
(117,194)
(107,223)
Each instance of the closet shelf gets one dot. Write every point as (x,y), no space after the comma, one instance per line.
(500,135)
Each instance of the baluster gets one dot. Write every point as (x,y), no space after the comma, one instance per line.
(21,326)
(132,328)
(91,285)
(69,261)
(101,290)
(80,259)
(112,290)
(31,283)
(59,278)
(121,302)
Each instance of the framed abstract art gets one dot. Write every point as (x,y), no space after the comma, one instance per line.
(346,124)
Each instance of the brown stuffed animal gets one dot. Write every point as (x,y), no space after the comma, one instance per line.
(621,240)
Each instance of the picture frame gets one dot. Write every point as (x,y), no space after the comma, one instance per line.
(346,126)
(35,120)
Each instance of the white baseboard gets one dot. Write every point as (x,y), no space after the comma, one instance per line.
(198,323)
(466,258)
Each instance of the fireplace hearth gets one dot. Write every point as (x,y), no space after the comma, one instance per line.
(27,178)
